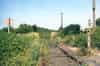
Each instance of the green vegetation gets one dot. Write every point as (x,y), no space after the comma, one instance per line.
(73,36)
(71,29)
(26,44)
(76,40)
(10,46)
(98,22)
(80,40)
(5,29)
(96,38)
(26,28)
(20,49)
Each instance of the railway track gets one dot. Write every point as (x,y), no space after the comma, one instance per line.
(59,57)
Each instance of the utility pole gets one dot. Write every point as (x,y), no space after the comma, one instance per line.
(61,27)
(89,35)
(94,13)
(90,32)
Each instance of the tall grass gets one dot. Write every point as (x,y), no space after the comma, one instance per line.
(19,50)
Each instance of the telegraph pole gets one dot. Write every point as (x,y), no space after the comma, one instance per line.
(90,32)
(61,27)
(62,20)
(94,13)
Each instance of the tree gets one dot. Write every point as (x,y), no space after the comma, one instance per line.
(5,29)
(72,29)
(98,22)
(34,27)
(24,28)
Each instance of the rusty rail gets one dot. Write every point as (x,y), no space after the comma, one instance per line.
(69,54)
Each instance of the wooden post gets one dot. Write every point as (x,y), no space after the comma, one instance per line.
(62,20)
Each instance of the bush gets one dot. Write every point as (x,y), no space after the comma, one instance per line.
(96,38)
(76,40)
(71,29)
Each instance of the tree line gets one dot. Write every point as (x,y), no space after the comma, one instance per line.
(25,28)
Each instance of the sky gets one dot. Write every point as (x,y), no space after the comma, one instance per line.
(46,13)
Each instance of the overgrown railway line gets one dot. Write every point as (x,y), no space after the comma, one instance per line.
(59,57)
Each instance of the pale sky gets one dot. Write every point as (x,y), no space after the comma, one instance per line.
(46,13)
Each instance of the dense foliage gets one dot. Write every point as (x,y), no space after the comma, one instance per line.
(22,49)
(71,29)
(5,29)
(19,49)
(96,38)
(10,46)
(80,40)
(76,40)
(98,22)
(24,28)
